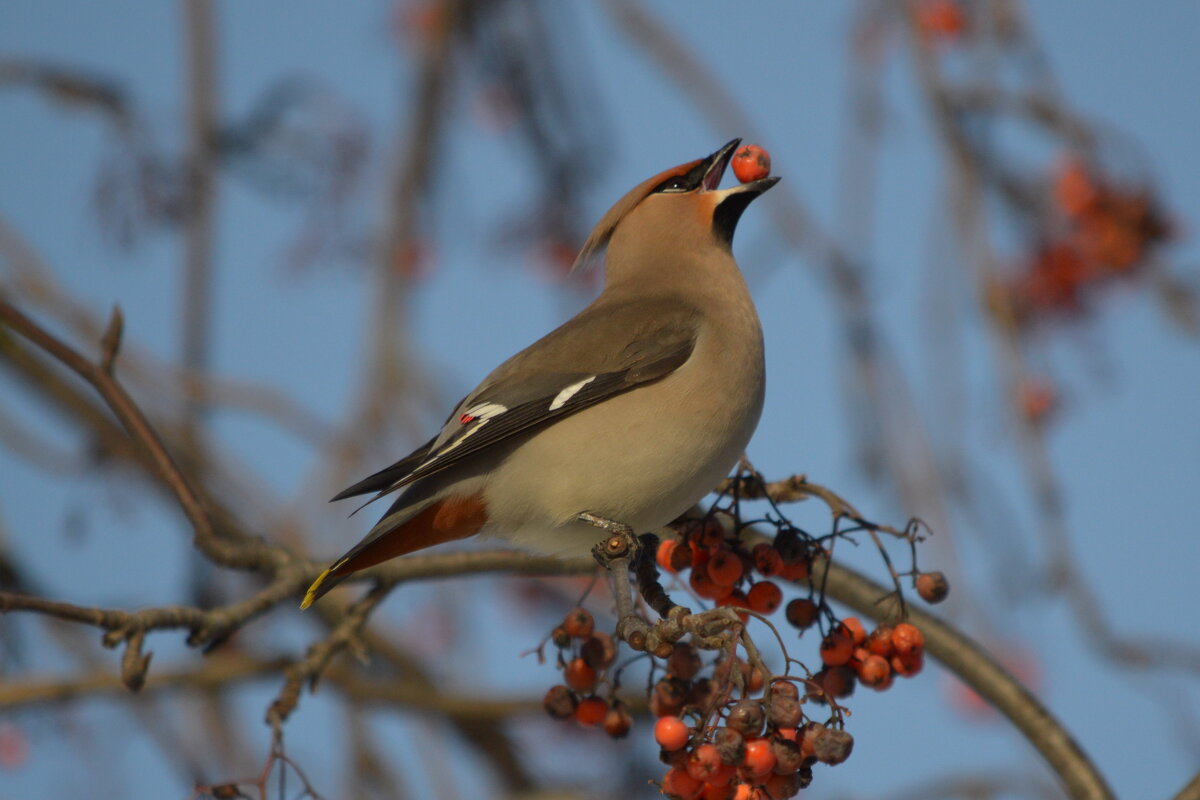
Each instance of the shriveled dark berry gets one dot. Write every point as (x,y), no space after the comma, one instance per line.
(618,722)
(784,711)
(731,745)
(788,758)
(785,689)
(808,738)
(702,694)
(746,717)
(779,786)
(833,746)
(669,697)
(559,702)
(801,613)
(933,587)
(839,681)
(684,661)
(598,650)
(560,637)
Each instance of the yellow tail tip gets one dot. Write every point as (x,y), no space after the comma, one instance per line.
(311,595)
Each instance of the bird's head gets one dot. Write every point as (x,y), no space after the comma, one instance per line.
(681,207)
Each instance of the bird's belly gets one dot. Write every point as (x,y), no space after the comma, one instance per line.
(664,448)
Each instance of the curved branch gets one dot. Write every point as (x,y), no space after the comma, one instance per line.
(978,670)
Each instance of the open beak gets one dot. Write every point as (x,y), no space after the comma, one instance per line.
(717,163)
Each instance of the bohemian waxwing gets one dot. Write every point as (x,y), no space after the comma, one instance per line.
(633,410)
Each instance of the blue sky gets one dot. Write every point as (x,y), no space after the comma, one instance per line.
(1126,448)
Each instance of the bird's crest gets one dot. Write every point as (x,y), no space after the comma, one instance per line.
(608,223)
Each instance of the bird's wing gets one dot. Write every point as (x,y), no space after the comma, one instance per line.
(606,350)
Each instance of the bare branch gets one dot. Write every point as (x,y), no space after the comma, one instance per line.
(246,554)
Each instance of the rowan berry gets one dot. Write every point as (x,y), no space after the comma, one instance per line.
(787,755)
(679,785)
(712,535)
(941,19)
(767,560)
(731,745)
(560,637)
(785,689)
(725,568)
(751,163)
(932,587)
(760,759)
(801,613)
(837,647)
(681,557)
(684,662)
(880,642)
(832,746)
(618,722)
(796,570)
(781,786)
(753,677)
(559,702)
(875,672)
(579,676)
(908,665)
(764,597)
(857,631)
(837,681)
(666,549)
(704,762)
(784,711)
(579,623)
(702,693)
(591,711)
(703,584)
(719,791)
(746,717)
(669,696)
(598,650)
(808,737)
(1075,188)
(907,639)
(723,774)
(671,733)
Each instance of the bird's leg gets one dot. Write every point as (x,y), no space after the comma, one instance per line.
(712,630)
(616,554)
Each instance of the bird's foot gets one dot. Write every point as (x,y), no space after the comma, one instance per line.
(621,551)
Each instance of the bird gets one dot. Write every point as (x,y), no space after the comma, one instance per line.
(631,411)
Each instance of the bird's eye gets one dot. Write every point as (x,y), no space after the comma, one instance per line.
(678,184)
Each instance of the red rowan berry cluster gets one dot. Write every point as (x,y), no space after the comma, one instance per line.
(940,20)
(585,655)
(728,727)
(850,655)
(765,749)
(722,570)
(1101,231)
